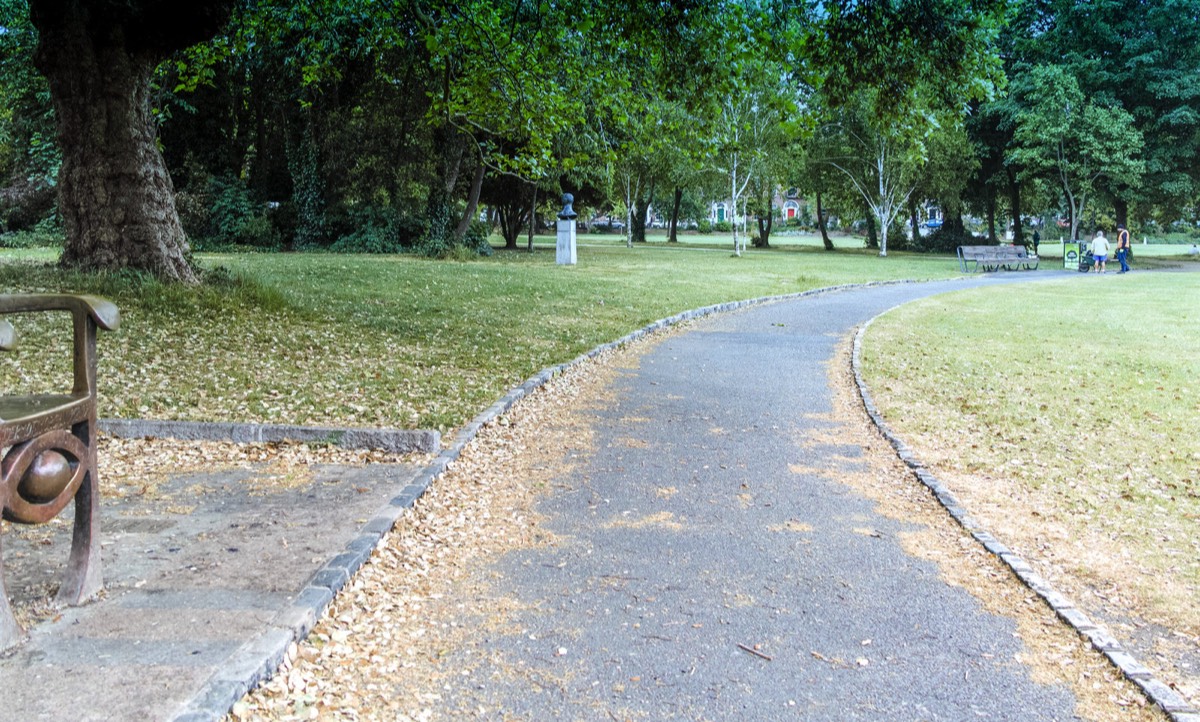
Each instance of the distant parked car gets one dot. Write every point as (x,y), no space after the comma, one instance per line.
(933,223)
(610,225)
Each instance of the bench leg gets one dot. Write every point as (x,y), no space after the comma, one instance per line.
(83,577)
(10,632)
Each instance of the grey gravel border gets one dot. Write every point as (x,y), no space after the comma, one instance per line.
(1156,691)
(258,659)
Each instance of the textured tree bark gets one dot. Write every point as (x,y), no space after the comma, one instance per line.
(673,237)
(821,224)
(637,222)
(872,234)
(115,195)
(1121,208)
(472,203)
(765,223)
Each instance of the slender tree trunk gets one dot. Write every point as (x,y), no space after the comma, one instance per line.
(821,224)
(1075,210)
(472,204)
(764,224)
(673,237)
(1014,201)
(532,217)
(872,234)
(512,220)
(115,195)
(991,218)
(737,247)
(452,164)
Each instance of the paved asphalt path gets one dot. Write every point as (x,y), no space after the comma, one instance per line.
(639,610)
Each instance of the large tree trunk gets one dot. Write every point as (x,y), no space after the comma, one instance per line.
(673,237)
(439,236)
(637,222)
(1121,208)
(821,224)
(115,195)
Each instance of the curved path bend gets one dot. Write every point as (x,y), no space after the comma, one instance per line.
(709,567)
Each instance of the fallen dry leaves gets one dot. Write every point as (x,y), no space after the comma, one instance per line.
(377,653)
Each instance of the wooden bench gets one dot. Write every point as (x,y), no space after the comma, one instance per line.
(49,445)
(993,258)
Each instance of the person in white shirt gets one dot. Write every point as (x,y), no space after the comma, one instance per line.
(1099,251)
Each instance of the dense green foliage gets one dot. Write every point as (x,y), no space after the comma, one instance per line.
(382,127)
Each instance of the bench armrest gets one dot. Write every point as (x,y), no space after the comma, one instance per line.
(87,313)
(102,311)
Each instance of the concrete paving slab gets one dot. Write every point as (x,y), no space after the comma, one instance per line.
(197,578)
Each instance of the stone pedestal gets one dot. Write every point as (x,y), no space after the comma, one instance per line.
(565,252)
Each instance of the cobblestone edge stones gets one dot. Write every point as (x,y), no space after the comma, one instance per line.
(1156,691)
(256,661)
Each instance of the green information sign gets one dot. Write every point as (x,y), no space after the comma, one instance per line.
(1071,255)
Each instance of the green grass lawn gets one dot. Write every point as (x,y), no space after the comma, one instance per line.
(718,239)
(1074,406)
(1151,250)
(395,340)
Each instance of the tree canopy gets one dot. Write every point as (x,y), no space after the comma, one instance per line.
(382,127)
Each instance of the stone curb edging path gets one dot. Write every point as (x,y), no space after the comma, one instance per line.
(1159,693)
(401,441)
(258,659)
